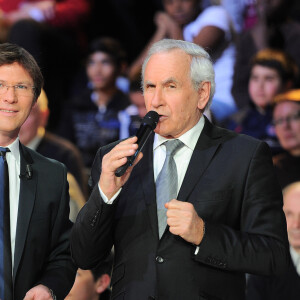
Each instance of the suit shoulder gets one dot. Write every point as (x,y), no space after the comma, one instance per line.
(41,159)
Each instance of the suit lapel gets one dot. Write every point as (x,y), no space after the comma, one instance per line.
(26,203)
(145,173)
(206,147)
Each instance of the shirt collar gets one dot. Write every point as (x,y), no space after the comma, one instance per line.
(295,256)
(189,138)
(14,148)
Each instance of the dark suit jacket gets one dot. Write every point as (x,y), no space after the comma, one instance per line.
(231,183)
(283,287)
(62,150)
(42,253)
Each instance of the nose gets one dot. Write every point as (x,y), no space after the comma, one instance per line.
(9,95)
(157,98)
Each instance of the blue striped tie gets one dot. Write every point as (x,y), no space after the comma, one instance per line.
(166,183)
(5,242)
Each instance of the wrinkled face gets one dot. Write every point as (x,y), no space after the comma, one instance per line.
(14,107)
(84,287)
(286,118)
(182,11)
(101,71)
(264,84)
(168,90)
(291,209)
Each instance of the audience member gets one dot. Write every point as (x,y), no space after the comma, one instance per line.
(131,117)
(272,72)
(91,119)
(93,284)
(51,31)
(274,29)
(34,135)
(287,285)
(210,28)
(286,120)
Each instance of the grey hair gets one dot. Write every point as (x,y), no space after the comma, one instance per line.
(201,65)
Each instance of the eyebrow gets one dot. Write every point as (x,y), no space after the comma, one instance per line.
(19,82)
(164,82)
(171,80)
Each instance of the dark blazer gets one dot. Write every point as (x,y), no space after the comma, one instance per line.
(42,253)
(231,183)
(285,286)
(62,150)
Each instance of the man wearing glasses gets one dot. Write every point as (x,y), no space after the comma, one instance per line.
(34,204)
(286,120)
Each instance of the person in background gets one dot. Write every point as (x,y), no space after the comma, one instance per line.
(38,263)
(273,29)
(199,208)
(51,30)
(286,120)
(272,72)
(130,118)
(34,135)
(212,29)
(91,119)
(93,284)
(286,286)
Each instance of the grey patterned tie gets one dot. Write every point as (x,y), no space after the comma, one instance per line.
(166,184)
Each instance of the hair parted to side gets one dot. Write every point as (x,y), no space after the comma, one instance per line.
(201,65)
(12,53)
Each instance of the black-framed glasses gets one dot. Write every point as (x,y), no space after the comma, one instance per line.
(22,89)
(289,119)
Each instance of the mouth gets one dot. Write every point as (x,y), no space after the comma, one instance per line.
(7,110)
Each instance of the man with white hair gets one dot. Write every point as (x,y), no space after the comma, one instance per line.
(199,208)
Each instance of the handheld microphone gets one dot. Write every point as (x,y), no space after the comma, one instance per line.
(149,123)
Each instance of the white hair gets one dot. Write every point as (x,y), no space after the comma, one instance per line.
(201,69)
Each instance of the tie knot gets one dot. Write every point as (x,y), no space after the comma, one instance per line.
(3,151)
(173,146)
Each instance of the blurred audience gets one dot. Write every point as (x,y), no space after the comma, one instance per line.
(34,135)
(51,31)
(273,29)
(130,118)
(286,120)
(92,284)
(210,28)
(272,72)
(286,286)
(91,120)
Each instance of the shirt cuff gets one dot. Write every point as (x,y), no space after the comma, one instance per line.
(111,200)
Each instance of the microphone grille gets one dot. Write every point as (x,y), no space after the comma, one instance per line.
(151,119)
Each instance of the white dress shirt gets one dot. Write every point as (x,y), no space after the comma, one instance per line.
(13,162)
(296,259)
(182,157)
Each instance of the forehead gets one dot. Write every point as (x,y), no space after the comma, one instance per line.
(259,69)
(292,200)
(174,63)
(286,107)
(14,73)
(99,55)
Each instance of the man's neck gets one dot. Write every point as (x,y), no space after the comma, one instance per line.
(7,139)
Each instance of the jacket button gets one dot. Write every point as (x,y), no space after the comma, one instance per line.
(159,259)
